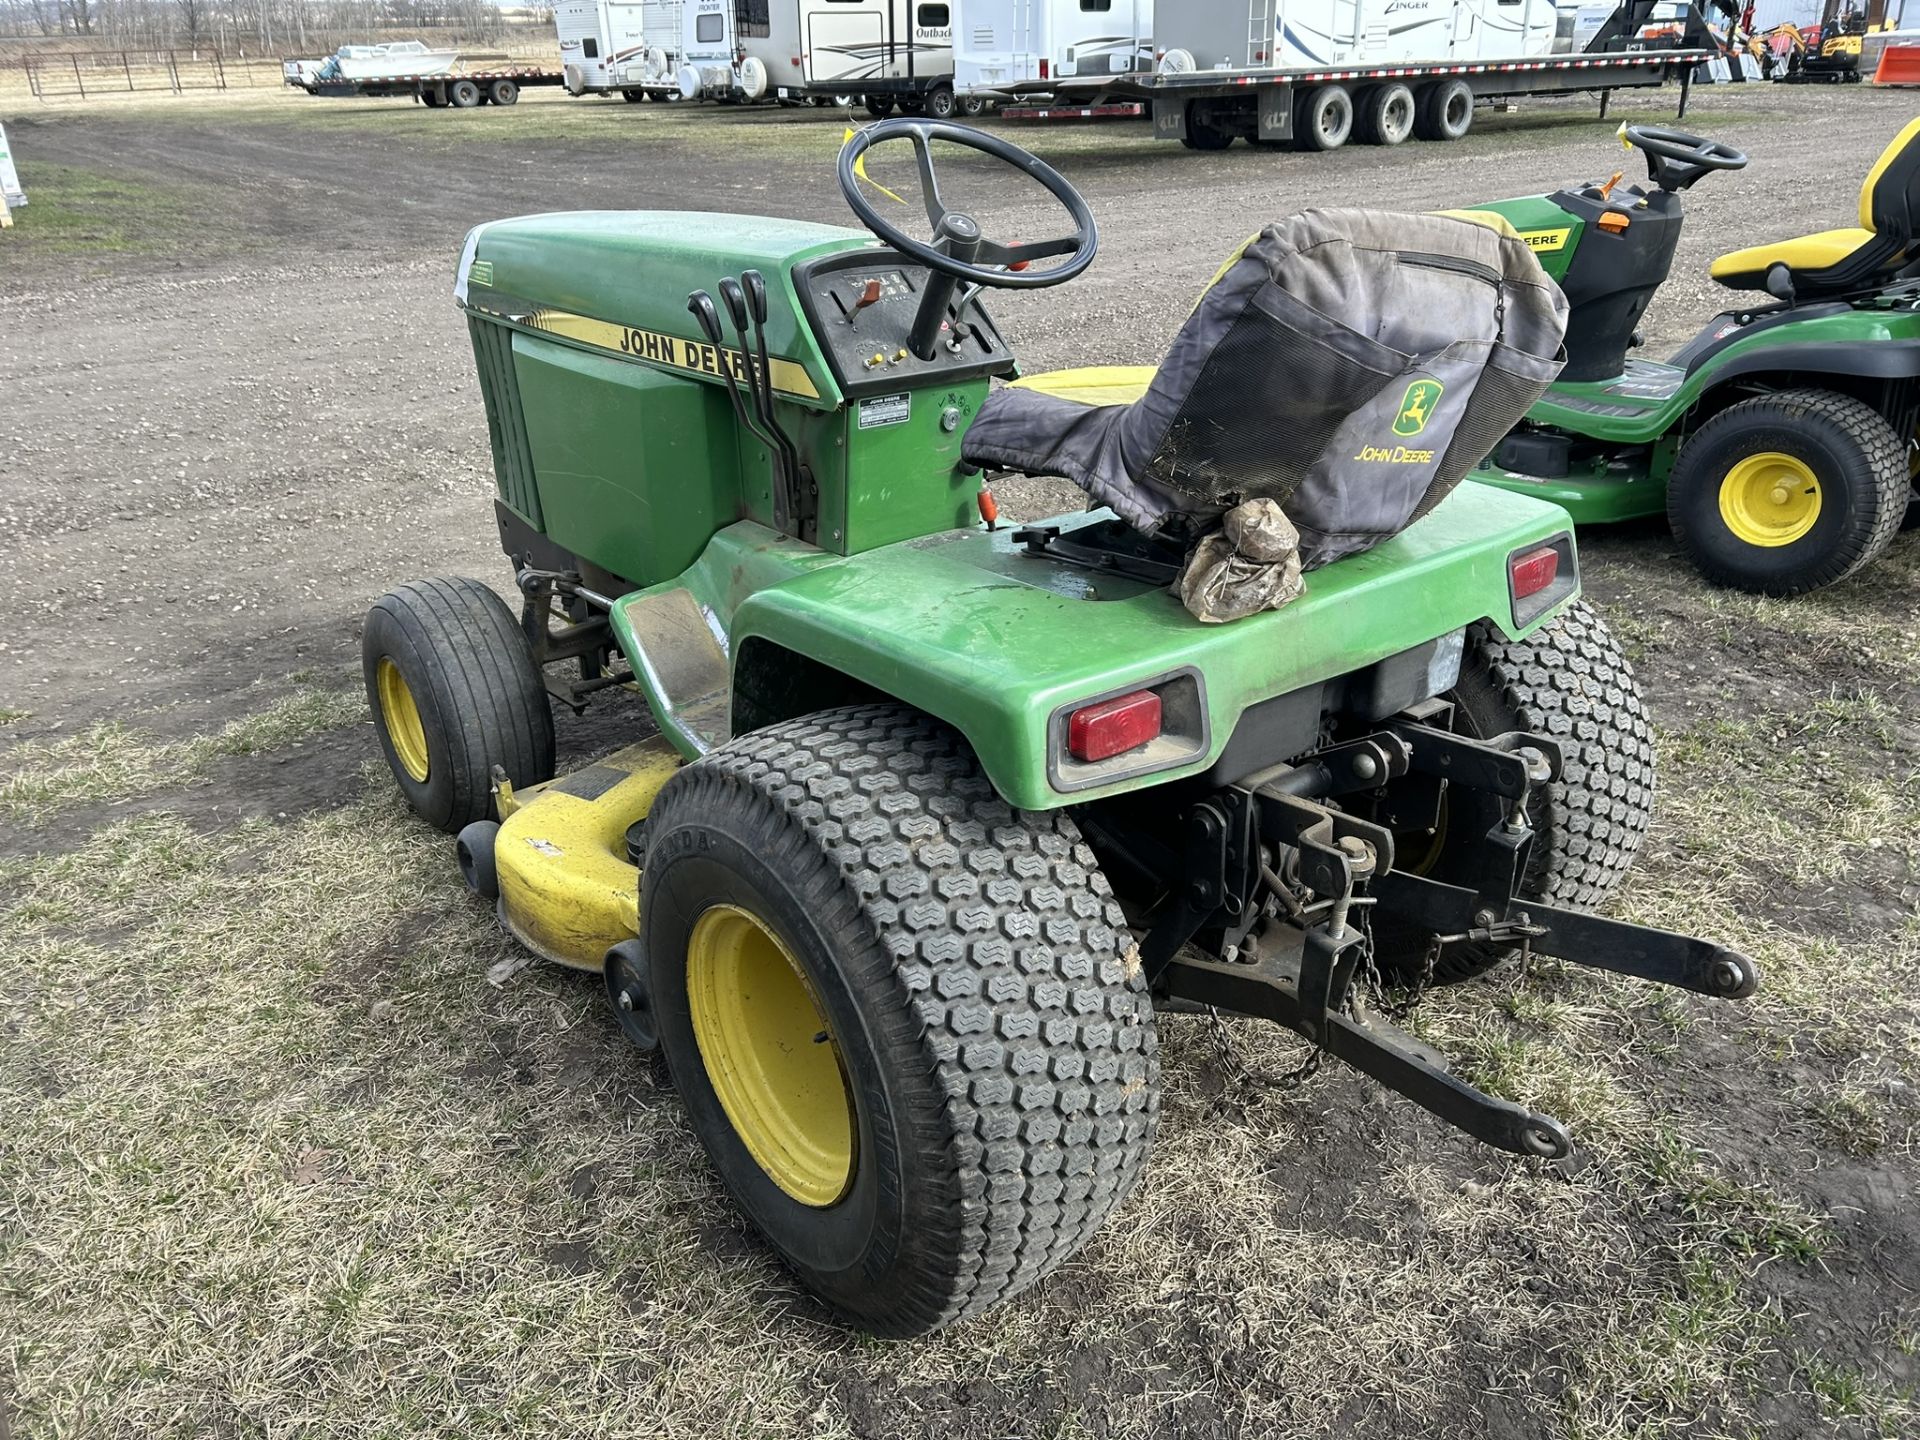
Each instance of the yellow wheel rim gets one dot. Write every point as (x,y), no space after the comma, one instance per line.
(400,718)
(1770,499)
(769,1055)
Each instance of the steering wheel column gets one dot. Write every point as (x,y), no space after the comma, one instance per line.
(958,237)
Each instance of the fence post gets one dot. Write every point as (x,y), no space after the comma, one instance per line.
(78,79)
(219,72)
(127,68)
(173,69)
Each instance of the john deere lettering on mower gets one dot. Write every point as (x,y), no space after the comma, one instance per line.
(942,814)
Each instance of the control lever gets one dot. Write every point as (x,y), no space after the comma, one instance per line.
(700,303)
(756,287)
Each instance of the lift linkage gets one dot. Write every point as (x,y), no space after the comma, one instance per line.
(1296,963)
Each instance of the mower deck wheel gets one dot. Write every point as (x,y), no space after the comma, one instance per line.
(454,692)
(907,1021)
(1569,682)
(1788,492)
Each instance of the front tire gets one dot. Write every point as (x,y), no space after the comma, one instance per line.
(463,95)
(963,964)
(879,106)
(454,692)
(1568,682)
(1788,492)
(940,102)
(503,92)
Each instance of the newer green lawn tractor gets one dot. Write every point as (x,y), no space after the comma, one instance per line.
(942,812)
(1780,441)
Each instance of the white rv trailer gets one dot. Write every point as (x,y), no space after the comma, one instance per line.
(893,52)
(629,46)
(1318,72)
(1029,46)
(709,52)
(1286,34)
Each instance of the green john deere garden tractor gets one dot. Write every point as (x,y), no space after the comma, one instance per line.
(940,813)
(1780,441)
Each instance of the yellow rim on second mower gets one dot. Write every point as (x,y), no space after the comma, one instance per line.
(1770,499)
(401,719)
(769,1055)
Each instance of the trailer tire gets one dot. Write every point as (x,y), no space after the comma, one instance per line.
(463,95)
(1569,682)
(434,98)
(972,105)
(1384,115)
(1324,119)
(940,102)
(994,1084)
(633,97)
(503,92)
(454,692)
(913,105)
(1732,501)
(1202,133)
(879,106)
(1446,111)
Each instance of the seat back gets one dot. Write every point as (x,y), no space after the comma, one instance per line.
(1890,196)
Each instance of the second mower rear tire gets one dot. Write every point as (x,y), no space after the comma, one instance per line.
(1789,492)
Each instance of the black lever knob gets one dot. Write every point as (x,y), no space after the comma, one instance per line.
(756,295)
(736,303)
(708,314)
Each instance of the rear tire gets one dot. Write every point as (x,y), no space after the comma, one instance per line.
(454,692)
(940,102)
(972,971)
(1568,682)
(503,92)
(1446,111)
(463,95)
(433,99)
(972,105)
(1324,119)
(1789,492)
(1384,115)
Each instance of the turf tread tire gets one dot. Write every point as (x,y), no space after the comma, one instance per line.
(1002,991)
(1568,682)
(1866,530)
(482,702)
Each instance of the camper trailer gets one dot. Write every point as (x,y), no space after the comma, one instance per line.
(894,52)
(1028,46)
(1291,34)
(628,46)
(710,52)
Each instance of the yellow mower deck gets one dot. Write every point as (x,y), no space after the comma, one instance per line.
(567,890)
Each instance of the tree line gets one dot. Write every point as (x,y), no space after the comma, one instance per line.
(262,26)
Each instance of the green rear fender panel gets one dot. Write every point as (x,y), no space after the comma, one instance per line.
(946,624)
(1550,232)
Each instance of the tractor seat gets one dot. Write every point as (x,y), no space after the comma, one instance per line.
(1834,262)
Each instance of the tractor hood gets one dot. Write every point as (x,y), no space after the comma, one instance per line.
(618,280)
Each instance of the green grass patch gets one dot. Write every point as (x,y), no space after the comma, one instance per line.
(76,211)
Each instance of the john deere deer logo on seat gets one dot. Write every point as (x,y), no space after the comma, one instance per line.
(1415,406)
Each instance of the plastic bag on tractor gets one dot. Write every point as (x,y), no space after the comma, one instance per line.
(1351,365)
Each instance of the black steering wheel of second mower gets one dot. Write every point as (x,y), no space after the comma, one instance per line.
(1675,158)
(968,255)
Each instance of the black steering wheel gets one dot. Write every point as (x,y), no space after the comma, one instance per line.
(1676,159)
(958,249)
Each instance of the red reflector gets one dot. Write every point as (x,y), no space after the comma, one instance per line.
(1113,727)
(1534,571)
(1043,69)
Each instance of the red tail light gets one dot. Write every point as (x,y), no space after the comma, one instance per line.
(1534,571)
(1113,727)
(1043,69)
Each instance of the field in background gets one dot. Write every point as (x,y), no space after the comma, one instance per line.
(279,1160)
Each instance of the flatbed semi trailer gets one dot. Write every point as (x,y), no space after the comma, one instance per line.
(1321,107)
(461,90)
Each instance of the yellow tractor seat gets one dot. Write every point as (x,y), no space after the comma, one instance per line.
(1093,384)
(1835,261)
